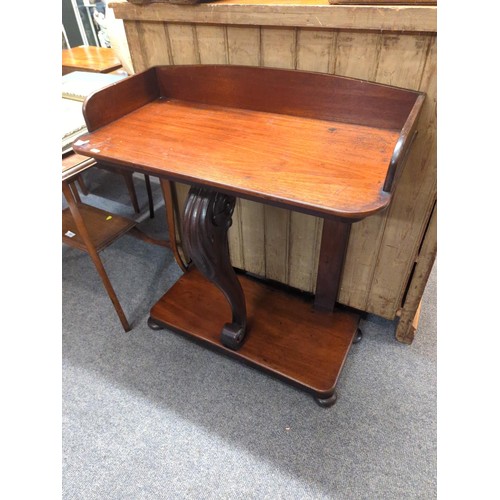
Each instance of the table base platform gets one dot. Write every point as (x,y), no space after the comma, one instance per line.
(286,336)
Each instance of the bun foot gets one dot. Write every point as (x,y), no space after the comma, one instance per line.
(154,325)
(232,336)
(358,336)
(327,402)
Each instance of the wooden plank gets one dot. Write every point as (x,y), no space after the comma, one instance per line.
(252,237)
(235,237)
(173,224)
(278,47)
(155,44)
(303,250)
(314,49)
(405,331)
(402,59)
(316,14)
(243,44)
(183,43)
(357,54)
(286,336)
(135,45)
(179,195)
(415,193)
(212,44)
(360,260)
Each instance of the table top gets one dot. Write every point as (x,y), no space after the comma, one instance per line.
(298,161)
(90,58)
(315,143)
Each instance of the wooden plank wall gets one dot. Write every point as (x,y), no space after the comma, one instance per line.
(284,245)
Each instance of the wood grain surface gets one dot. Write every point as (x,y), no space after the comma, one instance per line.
(318,143)
(321,167)
(89,58)
(286,336)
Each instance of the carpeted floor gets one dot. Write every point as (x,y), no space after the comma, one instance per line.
(151,415)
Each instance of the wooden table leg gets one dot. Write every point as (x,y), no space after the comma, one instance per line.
(129,181)
(74,191)
(80,224)
(334,242)
(150,196)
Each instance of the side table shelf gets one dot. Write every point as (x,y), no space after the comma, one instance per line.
(288,338)
(103,227)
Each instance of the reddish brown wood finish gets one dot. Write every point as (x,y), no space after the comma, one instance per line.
(297,93)
(113,102)
(311,142)
(322,167)
(286,336)
(73,165)
(168,196)
(403,146)
(334,242)
(319,143)
(76,219)
(105,227)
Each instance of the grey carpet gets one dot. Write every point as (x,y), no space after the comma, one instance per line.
(152,415)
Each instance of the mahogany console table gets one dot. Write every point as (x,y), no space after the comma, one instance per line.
(319,144)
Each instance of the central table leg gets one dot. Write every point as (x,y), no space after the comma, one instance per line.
(207,218)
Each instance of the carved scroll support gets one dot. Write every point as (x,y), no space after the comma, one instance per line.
(207,218)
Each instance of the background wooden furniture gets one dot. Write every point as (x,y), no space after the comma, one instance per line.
(89,58)
(316,144)
(390,254)
(91,229)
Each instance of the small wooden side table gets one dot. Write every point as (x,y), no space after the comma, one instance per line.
(89,228)
(89,58)
(318,144)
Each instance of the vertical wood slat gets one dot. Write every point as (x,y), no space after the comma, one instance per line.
(243,45)
(157,51)
(212,44)
(184,44)
(406,330)
(135,44)
(357,54)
